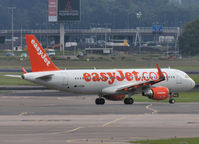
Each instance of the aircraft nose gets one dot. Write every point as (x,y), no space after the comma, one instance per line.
(192,83)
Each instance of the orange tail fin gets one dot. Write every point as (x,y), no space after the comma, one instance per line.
(38,58)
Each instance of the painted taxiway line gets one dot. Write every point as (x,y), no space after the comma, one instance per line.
(154,111)
(23,113)
(113,121)
(73,130)
(68,131)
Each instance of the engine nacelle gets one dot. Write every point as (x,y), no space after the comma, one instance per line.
(157,93)
(114,97)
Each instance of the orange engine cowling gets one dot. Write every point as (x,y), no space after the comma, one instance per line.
(157,93)
(115,97)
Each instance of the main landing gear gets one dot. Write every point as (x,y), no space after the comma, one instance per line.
(128,101)
(100,101)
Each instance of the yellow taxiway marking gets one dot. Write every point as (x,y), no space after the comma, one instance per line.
(23,113)
(151,109)
(113,121)
(68,131)
(73,130)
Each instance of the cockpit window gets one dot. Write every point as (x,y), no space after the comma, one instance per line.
(186,76)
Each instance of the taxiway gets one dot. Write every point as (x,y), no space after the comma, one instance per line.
(49,117)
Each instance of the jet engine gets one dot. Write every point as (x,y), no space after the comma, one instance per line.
(114,97)
(157,93)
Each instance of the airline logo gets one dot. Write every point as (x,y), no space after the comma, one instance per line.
(68,6)
(40,52)
(161,93)
(119,75)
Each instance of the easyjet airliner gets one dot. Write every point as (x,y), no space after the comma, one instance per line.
(110,84)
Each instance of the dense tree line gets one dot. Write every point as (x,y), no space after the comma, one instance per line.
(189,40)
(103,13)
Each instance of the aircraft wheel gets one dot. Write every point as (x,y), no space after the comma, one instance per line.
(171,101)
(99,101)
(102,101)
(131,101)
(128,101)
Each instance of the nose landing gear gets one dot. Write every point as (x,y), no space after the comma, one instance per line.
(172,95)
(172,101)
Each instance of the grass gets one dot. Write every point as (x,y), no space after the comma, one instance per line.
(170,141)
(105,61)
(195,77)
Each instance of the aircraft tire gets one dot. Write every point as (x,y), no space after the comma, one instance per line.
(99,101)
(128,101)
(131,101)
(102,101)
(171,101)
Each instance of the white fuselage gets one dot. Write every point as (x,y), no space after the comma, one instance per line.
(94,81)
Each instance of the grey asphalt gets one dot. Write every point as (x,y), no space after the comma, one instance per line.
(50,102)
(51,117)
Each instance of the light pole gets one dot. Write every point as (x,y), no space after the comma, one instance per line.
(139,16)
(21,38)
(12,25)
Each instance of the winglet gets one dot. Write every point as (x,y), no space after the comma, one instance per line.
(23,69)
(160,74)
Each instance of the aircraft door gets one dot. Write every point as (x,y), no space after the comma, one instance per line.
(65,83)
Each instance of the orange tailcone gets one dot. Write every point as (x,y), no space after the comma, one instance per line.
(38,58)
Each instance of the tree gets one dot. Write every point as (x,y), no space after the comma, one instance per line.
(33,14)
(189,40)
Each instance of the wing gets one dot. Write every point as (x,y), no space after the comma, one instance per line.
(132,87)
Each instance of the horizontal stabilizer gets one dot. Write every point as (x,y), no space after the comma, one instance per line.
(16,76)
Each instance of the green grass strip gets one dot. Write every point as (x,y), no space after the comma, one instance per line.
(170,141)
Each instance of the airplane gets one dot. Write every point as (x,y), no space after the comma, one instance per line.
(110,84)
